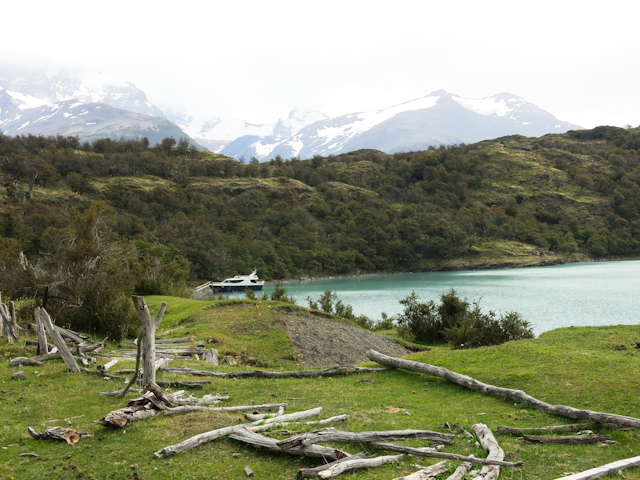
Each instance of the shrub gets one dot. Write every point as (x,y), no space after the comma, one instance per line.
(460,323)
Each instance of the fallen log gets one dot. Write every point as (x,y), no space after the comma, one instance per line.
(253,417)
(52,356)
(554,428)
(271,444)
(198,408)
(568,440)
(350,463)
(152,403)
(312,472)
(207,437)
(516,395)
(62,434)
(163,383)
(431,453)
(494,451)
(605,469)
(336,370)
(461,471)
(426,473)
(331,435)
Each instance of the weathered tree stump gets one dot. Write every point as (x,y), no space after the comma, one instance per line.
(148,336)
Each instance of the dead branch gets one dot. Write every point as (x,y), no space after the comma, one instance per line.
(62,434)
(517,395)
(207,437)
(431,453)
(198,408)
(426,473)
(461,471)
(336,468)
(336,370)
(554,428)
(271,444)
(605,469)
(494,451)
(52,356)
(332,435)
(568,440)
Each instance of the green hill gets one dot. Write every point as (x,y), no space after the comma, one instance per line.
(159,216)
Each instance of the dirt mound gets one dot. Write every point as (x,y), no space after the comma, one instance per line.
(324,342)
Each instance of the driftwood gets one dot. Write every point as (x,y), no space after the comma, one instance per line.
(344,465)
(247,470)
(62,434)
(568,440)
(271,444)
(516,395)
(254,417)
(554,428)
(313,472)
(426,473)
(51,356)
(199,408)
(336,370)
(431,453)
(461,471)
(65,353)
(148,336)
(163,383)
(494,451)
(605,469)
(207,437)
(153,403)
(331,435)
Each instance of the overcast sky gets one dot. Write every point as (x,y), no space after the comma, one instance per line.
(259,59)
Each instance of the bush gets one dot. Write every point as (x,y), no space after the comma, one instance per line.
(459,323)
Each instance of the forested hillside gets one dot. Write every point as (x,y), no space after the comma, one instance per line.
(155,217)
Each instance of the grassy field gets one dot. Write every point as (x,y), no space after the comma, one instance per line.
(579,367)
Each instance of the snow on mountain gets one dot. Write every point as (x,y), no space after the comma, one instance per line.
(438,118)
(87,87)
(89,121)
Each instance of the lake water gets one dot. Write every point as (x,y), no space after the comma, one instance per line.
(578,294)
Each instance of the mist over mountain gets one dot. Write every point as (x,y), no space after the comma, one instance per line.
(94,105)
(437,119)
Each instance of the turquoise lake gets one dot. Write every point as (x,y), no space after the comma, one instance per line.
(578,294)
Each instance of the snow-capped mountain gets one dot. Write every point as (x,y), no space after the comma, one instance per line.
(22,114)
(216,133)
(439,118)
(89,105)
(86,87)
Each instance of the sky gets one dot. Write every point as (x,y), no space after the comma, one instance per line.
(257,60)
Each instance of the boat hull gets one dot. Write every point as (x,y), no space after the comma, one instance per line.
(235,288)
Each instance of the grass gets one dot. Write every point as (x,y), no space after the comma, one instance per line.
(573,366)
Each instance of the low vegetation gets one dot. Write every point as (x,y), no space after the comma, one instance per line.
(581,367)
(459,322)
(171,214)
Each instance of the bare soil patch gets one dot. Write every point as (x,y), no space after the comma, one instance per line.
(324,342)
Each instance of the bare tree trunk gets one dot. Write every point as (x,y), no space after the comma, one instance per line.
(350,463)
(605,469)
(431,453)
(43,349)
(148,336)
(426,473)
(271,444)
(332,435)
(517,395)
(67,358)
(494,451)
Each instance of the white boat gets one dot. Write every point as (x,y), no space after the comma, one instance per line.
(239,283)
